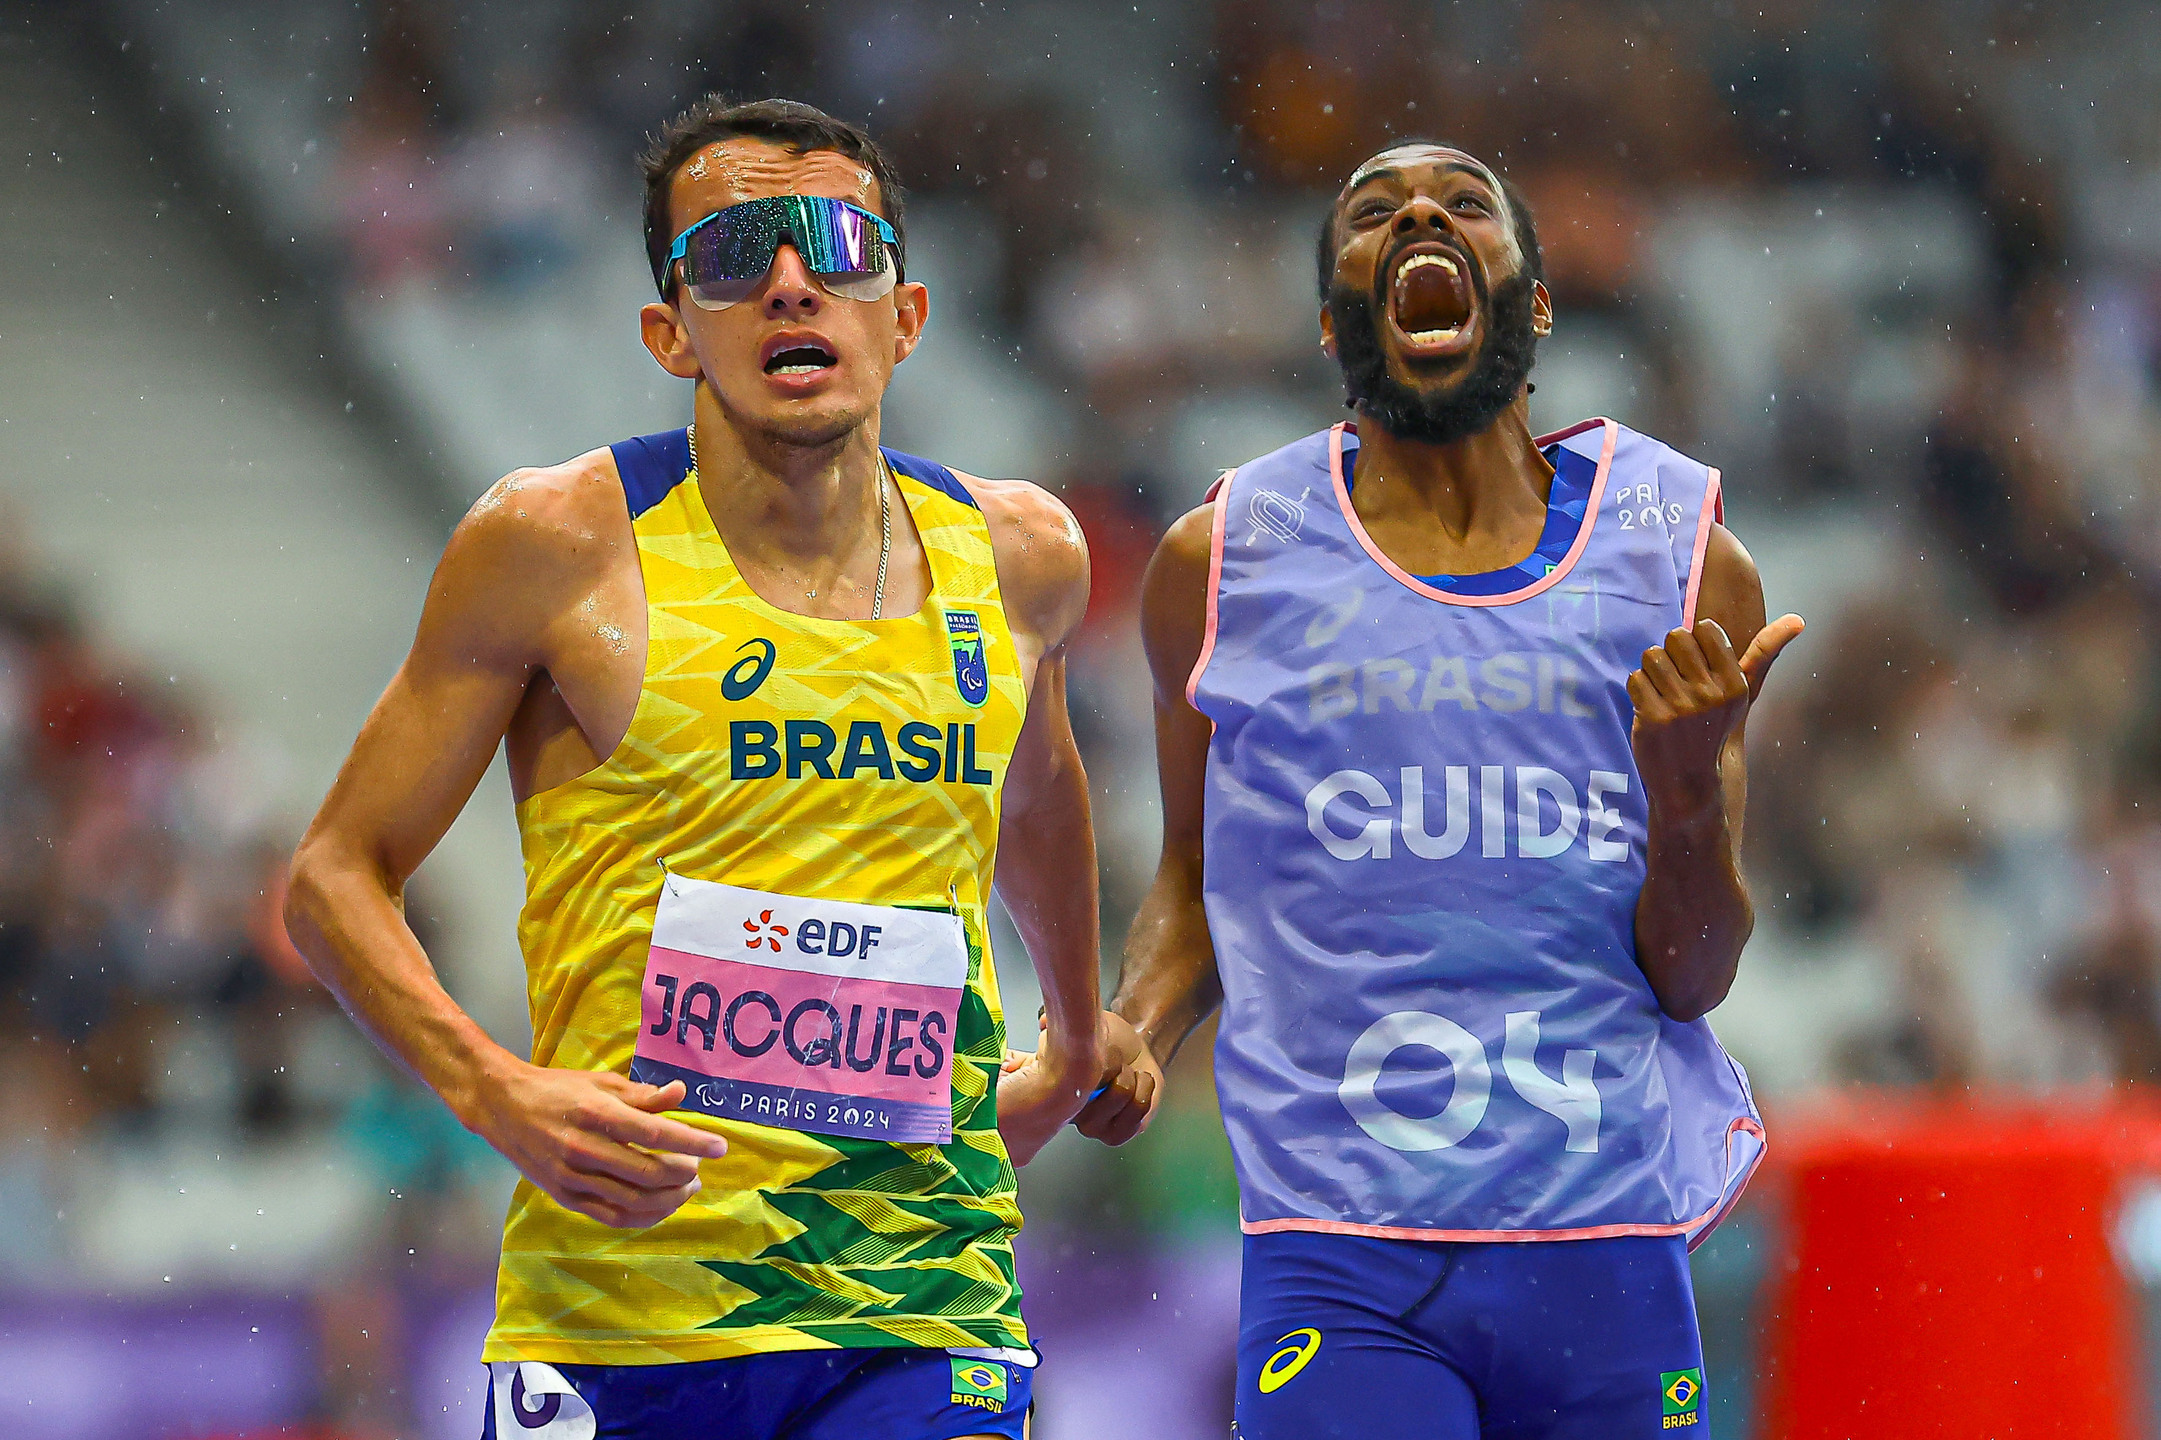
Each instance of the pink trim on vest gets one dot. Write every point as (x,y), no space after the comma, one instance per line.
(1220,496)
(1714,510)
(1733,1190)
(1699,1226)
(1536,587)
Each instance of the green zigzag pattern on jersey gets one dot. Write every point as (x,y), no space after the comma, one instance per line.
(952,1262)
(932,1222)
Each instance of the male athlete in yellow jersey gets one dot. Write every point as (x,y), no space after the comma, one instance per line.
(770,696)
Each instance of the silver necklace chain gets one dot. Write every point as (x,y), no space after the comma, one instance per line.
(885,525)
(885,542)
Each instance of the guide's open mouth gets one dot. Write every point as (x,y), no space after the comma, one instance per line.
(1430,298)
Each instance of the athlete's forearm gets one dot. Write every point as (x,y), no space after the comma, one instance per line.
(1047,878)
(349,923)
(1169,984)
(1694,915)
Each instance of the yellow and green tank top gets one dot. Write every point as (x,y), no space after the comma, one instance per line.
(797,1241)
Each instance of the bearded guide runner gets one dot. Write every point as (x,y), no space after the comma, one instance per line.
(1449,723)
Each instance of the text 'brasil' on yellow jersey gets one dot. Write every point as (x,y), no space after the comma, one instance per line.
(848,760)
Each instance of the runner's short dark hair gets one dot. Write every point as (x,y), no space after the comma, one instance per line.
(1519,217)
(802,128)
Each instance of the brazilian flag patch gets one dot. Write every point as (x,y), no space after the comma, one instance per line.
(979,1384)
(1680,1394)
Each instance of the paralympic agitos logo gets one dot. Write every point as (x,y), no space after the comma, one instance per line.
(971,673)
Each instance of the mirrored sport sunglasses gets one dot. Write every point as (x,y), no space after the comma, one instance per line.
(724,257)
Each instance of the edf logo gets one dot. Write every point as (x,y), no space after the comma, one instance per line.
(836,938)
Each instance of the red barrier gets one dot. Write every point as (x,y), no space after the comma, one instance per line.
(1952,1270)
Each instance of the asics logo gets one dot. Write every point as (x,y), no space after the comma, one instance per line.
(747,674)
(1290,1358)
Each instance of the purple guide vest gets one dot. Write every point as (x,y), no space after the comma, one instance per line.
(1424,847)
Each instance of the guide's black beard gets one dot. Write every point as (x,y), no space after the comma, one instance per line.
(1443,416)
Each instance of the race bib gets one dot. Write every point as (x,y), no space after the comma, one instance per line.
(815,1015)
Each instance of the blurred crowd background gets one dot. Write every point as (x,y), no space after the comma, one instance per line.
(291,284)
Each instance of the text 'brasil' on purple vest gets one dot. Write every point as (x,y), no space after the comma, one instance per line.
(1424,848)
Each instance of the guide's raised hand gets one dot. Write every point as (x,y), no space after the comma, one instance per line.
(598,1142)
(1691,694)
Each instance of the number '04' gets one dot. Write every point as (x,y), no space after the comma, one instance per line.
(1571,1099)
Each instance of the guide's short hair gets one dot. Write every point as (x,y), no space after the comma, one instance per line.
(1519,219)
(802,128)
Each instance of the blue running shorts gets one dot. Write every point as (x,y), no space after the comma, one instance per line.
(894,1394)
(1366,1339)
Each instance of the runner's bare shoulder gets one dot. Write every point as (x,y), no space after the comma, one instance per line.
(539,536)
(1188,545)
(561,518)
(1042,554)
(1174,600)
